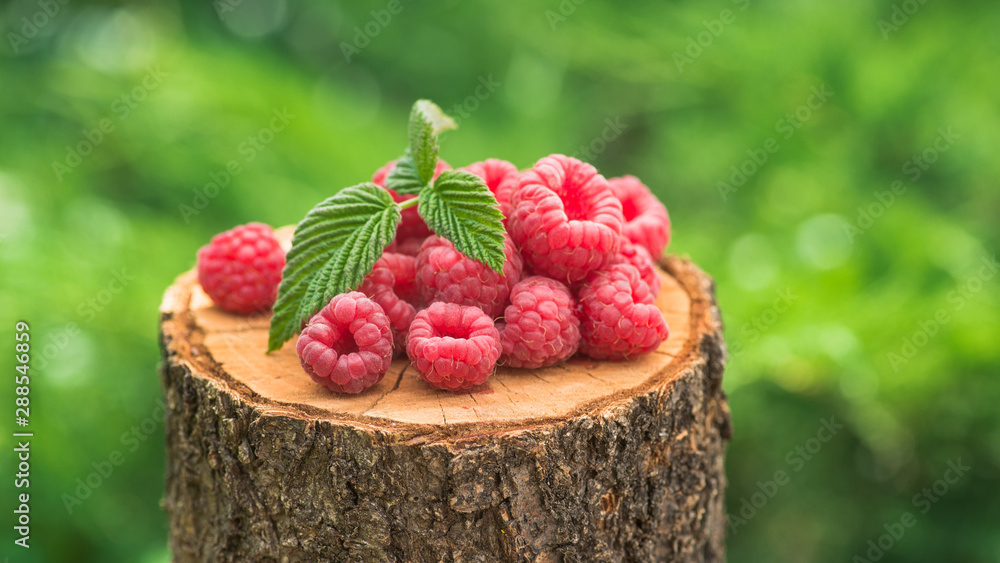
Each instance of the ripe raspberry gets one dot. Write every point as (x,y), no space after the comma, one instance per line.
(408,246)
(541,327)
(445,274)
(565,219)
(619,319)
(392,284)
(452,346)
(411,225)
(500,177)
(646,219)
(241,268)
(347,346)
(639,257)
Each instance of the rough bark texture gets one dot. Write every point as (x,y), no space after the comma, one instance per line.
(638,478)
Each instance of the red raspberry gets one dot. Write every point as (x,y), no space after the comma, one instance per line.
(411,224)
(241,268)
(445,274)
(646,219)
(347,346)
(408,246)
(565,219)
(619,319)
(541,327)
(639,257)
(452,346)
(500,177)
(392,284)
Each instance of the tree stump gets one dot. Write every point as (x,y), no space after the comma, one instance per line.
(585,461)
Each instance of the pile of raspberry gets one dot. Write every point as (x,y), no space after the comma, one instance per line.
(580,276)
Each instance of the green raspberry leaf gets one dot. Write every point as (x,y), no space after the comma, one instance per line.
(426,122)
(460,208)
(404,178)
(333,249)
(439,119)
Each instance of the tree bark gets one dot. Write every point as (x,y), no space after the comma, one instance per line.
(588,461)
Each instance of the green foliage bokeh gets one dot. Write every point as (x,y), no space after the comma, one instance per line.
(820,319)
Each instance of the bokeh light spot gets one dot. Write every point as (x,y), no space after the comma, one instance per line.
(822,242)
(753,262)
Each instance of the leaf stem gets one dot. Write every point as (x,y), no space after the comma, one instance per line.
(412,202)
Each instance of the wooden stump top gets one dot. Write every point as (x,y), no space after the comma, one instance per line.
(229,350)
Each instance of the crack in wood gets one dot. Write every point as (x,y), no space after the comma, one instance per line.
(559,366)
(592,376)
(383,395)
(444,417)
(474,409)
(542,378)
(509,391)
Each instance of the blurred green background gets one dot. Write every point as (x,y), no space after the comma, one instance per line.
(854,267)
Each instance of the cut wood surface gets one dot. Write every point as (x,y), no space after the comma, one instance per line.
(586,460)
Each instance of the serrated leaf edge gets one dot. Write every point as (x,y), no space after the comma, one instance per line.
(302,290)
(461,215)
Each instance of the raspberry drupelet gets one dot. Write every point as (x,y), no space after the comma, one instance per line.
(565,219)
(241,268)
(453,347)
(347,346)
